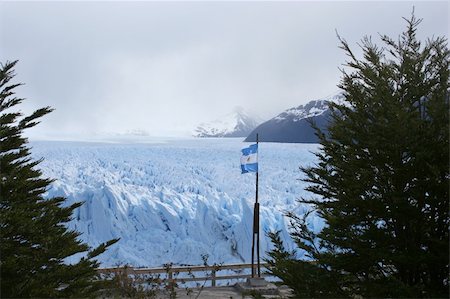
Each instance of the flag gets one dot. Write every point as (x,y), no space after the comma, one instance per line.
(249,159)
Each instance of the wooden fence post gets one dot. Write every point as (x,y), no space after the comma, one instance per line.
(213,277)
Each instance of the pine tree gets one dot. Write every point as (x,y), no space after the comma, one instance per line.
(34,239)
(382,178)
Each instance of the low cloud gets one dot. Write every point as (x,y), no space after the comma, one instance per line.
(165,67)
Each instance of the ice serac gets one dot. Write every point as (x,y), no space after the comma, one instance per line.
(293,125)
(176,200)
(235,124)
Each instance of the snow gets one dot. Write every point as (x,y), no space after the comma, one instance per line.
(222,126)
(238,121)
(310,109)
(174,200)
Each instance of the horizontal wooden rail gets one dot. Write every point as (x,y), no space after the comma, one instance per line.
(173,272)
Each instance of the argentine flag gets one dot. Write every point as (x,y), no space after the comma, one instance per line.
(249,159)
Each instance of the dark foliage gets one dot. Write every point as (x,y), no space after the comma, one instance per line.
(382,178)
(34,239)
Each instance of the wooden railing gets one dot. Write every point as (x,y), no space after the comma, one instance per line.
(172,274)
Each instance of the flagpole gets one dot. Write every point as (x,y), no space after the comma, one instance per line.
(256,226)
(257,213)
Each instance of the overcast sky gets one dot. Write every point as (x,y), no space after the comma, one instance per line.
(164,67)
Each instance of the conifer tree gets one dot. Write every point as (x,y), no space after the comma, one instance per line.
(381,183)
(34,239)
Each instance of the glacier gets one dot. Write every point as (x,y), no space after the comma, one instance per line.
(174,200)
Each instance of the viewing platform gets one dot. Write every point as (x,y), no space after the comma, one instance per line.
(226,292)
(216,281)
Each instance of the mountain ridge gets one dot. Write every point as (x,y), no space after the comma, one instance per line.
(293,125)
(238,123)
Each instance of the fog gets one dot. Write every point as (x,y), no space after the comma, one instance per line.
(164,67)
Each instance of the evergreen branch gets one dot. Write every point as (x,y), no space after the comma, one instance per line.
(28,122)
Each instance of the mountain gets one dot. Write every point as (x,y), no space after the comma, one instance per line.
(293,125)
(235,124)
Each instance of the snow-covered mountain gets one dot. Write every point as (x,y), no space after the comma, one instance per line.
(235,124)
(175,200)
(292,125)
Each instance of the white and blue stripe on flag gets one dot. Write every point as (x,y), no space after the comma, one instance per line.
(249,159)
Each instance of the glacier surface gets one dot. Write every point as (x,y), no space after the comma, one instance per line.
(172,201)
